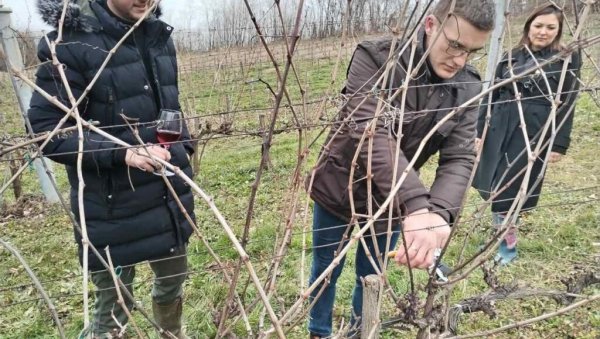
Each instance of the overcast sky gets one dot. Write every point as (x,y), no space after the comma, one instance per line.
(183,14)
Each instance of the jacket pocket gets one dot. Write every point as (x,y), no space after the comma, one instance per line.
(109,195)
(435,142)
(536,116)
(330,185)
(110,104)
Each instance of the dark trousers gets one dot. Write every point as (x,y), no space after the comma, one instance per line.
(169,275)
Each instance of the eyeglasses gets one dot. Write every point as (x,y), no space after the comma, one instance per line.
(456,49)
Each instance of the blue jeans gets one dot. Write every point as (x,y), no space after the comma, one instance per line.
(326,242)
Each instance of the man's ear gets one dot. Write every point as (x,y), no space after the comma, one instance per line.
(430,24)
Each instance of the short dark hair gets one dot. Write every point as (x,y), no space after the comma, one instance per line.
(548,8)
(479,13)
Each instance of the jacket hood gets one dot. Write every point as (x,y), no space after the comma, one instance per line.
(79,15)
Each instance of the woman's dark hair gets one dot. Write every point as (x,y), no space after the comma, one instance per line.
(548,8)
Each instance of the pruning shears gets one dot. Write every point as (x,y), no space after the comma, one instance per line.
(441,270)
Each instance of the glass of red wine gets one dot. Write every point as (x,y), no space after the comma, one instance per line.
(168,130)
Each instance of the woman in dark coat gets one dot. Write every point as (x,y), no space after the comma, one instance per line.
(504,155)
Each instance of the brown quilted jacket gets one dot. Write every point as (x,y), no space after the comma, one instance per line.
(428,100)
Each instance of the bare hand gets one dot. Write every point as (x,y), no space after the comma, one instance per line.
(477,144)
(555,157)
(424,231)
(143,161)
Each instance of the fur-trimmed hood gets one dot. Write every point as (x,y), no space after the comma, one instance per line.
(79,16)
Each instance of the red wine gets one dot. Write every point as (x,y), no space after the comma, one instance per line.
(165,137)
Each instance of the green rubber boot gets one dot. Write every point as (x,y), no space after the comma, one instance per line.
(168,317)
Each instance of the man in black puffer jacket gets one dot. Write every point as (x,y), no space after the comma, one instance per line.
(127,208)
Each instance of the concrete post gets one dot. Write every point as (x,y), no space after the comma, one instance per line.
(496,40)
(24,92)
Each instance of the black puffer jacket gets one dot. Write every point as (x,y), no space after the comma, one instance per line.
(125,208)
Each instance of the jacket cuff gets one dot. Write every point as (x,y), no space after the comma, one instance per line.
(119,157)
(442,212)
(189,150)
(445,209)
(559,149)
(416,204)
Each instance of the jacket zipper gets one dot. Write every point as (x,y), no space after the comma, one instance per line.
(111,103)
(109,195)
(176,227)
(154,73)
(111,119)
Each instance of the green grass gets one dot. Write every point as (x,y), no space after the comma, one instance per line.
(556,238)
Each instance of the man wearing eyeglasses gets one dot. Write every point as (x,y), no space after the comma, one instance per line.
(444,81)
